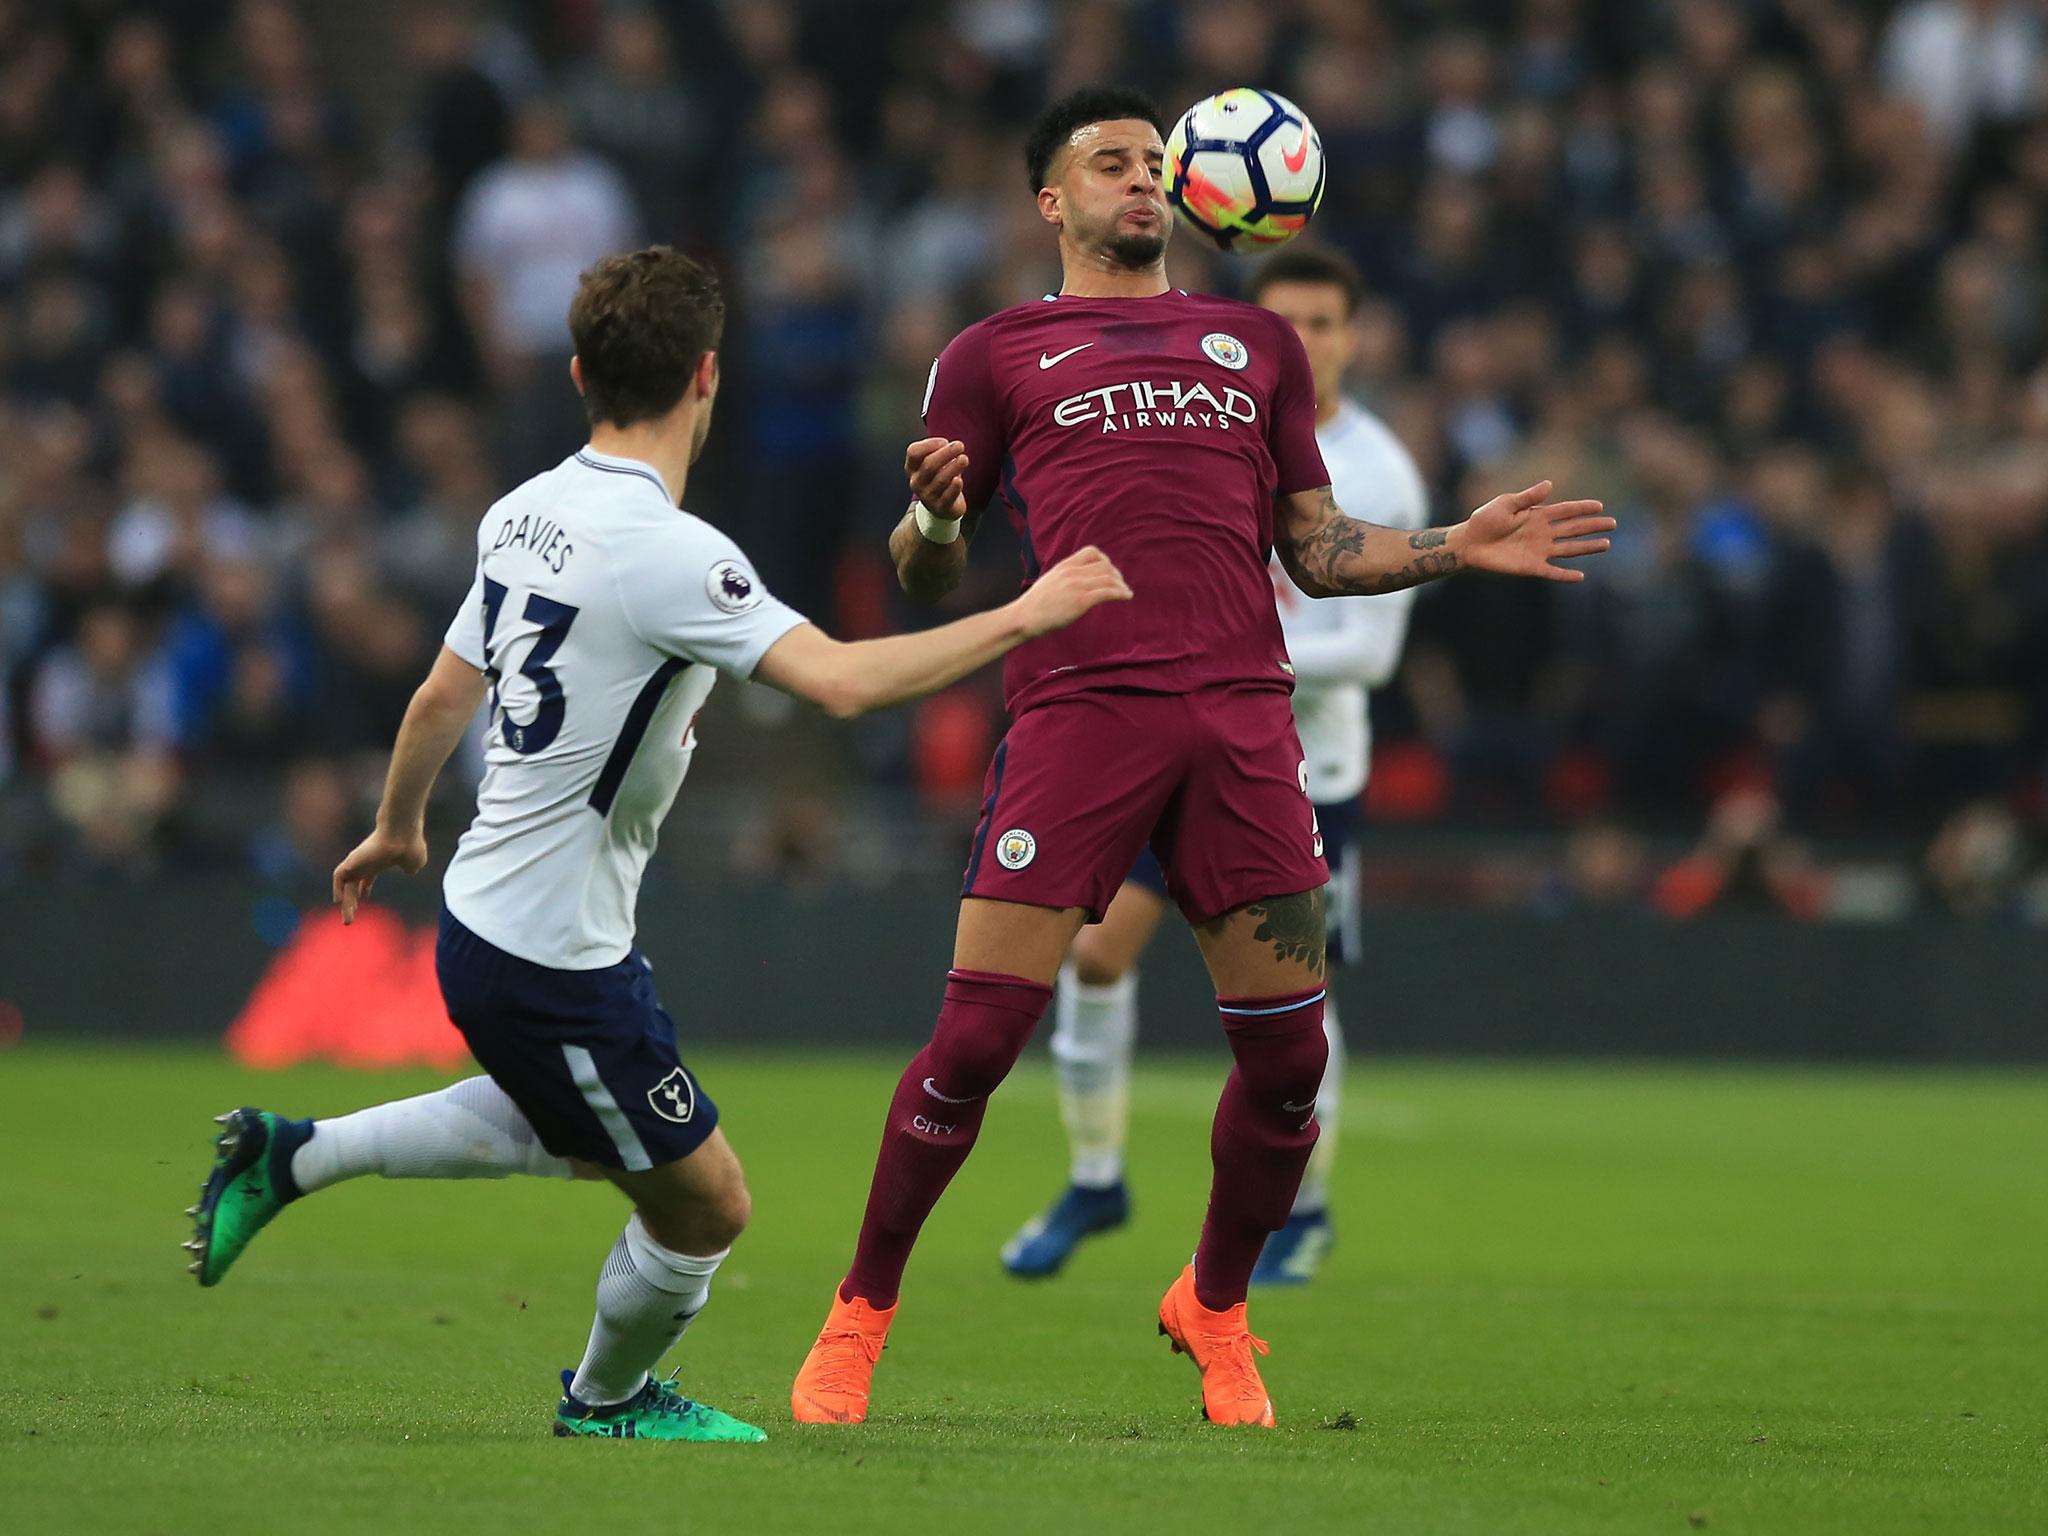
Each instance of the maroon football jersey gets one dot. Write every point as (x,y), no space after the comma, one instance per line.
(1159,429)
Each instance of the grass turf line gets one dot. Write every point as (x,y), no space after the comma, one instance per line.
(1565,1299)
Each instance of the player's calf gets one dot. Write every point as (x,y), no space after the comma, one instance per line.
(1264,1130)
(657,1278)
(933,1120)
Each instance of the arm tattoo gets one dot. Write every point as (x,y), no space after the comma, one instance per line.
(1332,557)
(1293,925)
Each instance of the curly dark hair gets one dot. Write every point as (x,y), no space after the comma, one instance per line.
(640,321)
(1077,109)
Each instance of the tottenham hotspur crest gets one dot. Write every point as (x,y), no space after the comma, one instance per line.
(674,1097)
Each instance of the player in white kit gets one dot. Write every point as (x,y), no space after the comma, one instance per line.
(600,617)
(1340,648)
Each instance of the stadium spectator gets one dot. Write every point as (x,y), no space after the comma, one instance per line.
(527,227)
(104,721)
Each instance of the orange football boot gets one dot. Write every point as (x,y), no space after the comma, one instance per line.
(832,1387)
(1221,1345)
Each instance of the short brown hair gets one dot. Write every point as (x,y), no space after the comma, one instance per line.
(1309,264)
(640,320)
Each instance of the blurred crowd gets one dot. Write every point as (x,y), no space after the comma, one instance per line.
(282,292)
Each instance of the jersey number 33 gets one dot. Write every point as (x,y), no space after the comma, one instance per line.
(551,621)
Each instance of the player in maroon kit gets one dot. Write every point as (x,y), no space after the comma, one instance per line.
(1177,432)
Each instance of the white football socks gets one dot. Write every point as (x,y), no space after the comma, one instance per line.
(469,1130)
(1315,1179)
(647,1296)
(1094,1032)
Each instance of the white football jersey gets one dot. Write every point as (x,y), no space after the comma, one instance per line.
(1343,646)
(602,614)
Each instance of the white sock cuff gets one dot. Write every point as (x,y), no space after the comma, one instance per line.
(663,1268)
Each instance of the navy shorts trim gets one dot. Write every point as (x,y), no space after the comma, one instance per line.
(1339,824)
(588,1056)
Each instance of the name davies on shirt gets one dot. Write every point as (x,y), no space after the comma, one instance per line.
(1157,403)
(541,536)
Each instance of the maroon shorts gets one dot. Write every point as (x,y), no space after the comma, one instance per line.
(1211,780)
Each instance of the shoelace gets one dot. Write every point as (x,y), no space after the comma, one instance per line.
(669,1398)
(1245,1373)
(841,1375)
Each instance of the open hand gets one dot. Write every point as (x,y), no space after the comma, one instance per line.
(1517,535)
(381,850)
(1084,580)
(937,469)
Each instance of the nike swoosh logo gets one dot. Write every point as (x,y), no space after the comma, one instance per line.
(944,1097)
(1047,359)
(1299,158)
(1292,1109)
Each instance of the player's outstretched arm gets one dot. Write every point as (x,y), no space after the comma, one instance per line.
(931,552)
(1517,534)
(440,712)
(850,679)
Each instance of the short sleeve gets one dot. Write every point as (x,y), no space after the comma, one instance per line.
(688,590)
(465,635)
(960,403)
(1291,434)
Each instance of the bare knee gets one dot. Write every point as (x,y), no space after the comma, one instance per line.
(1097,965)
(1105,953)
(697,1205)
(733,1210)
(699,1221)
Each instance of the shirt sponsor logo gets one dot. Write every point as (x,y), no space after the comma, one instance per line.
(1227,350)
(732,588)
(1158,403)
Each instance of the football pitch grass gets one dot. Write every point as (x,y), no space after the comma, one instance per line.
(1565,1299)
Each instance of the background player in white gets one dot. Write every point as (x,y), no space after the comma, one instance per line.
(599,619)
(1340,647)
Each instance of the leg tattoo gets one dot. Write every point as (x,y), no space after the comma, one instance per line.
(1293,925)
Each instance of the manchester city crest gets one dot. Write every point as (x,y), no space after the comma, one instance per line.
(1227,350)
(1016,848)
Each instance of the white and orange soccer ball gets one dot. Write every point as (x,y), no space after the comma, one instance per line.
(1245,168)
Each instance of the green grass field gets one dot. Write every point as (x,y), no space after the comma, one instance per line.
(1565,1299)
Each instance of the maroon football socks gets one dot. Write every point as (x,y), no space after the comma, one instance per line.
(1264,1130)
(935,1115)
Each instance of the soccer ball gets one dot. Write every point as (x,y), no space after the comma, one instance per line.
(1245,168)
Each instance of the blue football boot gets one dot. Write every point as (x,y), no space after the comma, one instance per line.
(1047,1241)
(1294,1253)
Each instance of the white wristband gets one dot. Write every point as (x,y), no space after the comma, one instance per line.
(940,530)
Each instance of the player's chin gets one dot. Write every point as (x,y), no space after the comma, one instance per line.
(1137,244)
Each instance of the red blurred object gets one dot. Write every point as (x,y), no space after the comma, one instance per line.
(860,595)
(360,996)
(1410,782)
(11,1021)
(1687,888)
(1578,785)
(951,738)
